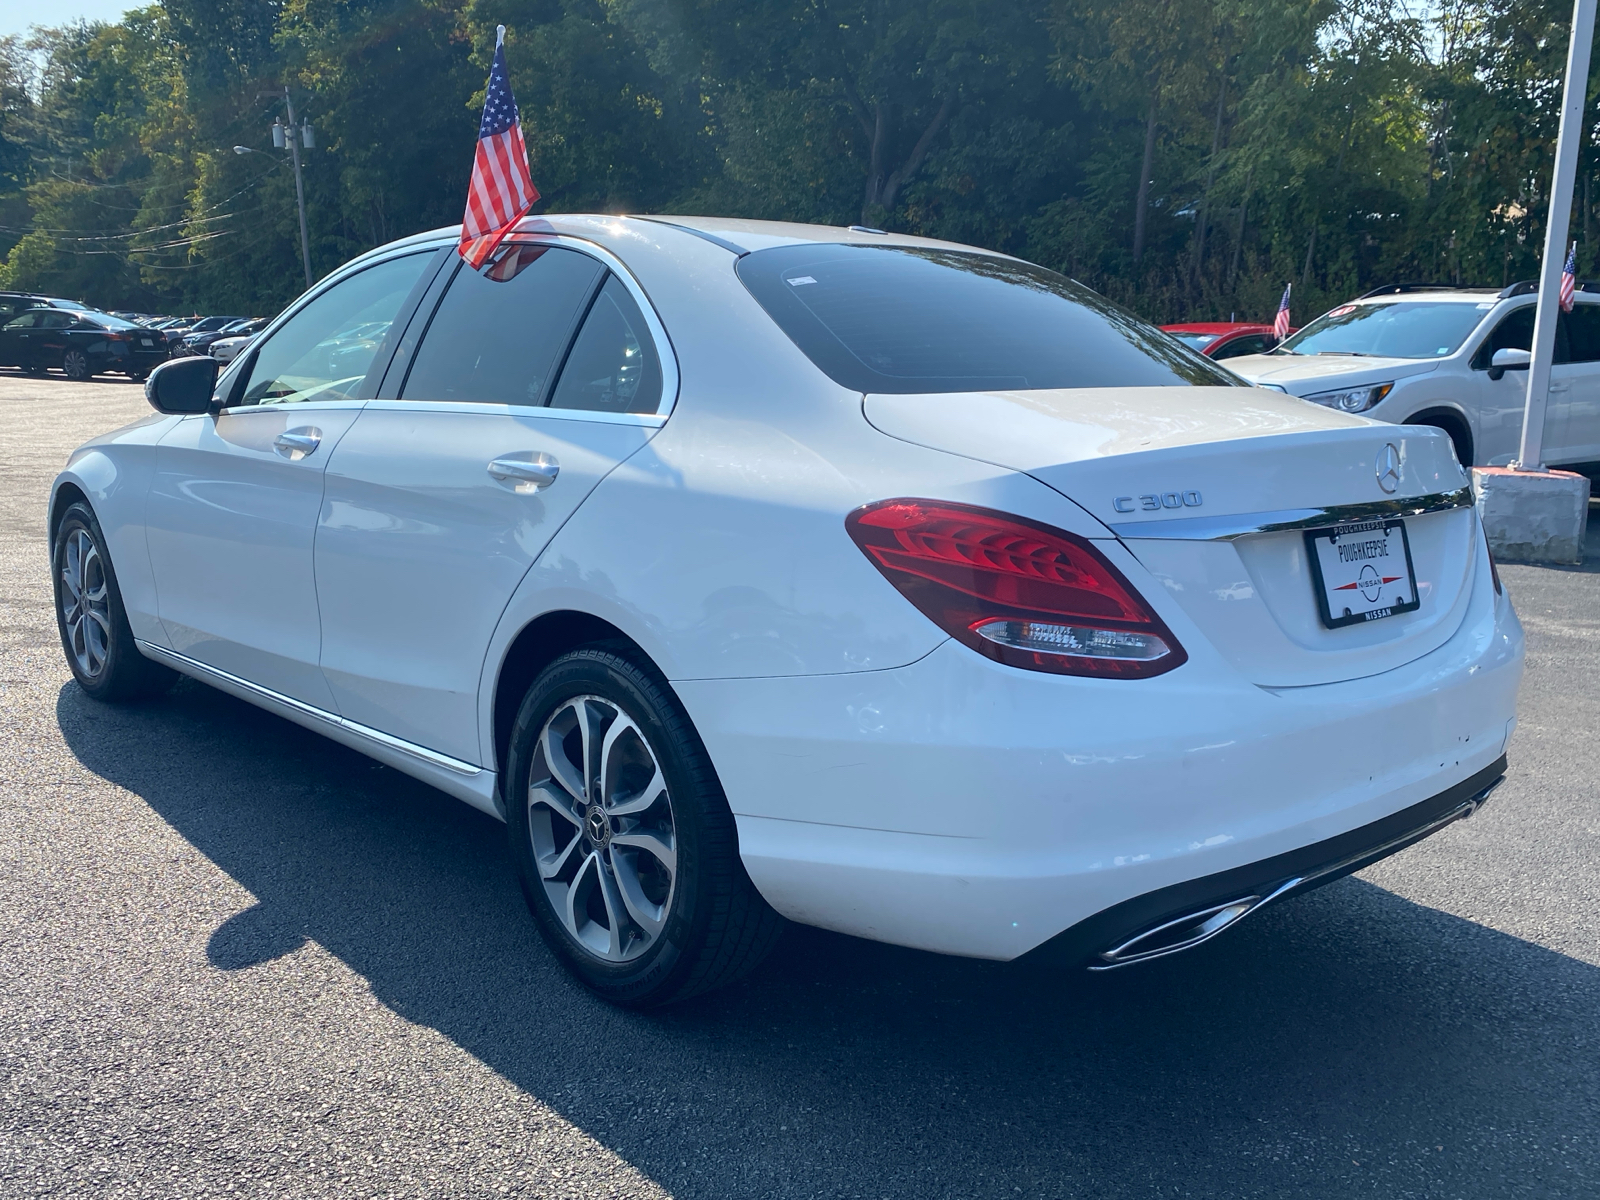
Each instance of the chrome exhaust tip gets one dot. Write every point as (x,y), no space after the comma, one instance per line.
(1178,934)
(1183,933)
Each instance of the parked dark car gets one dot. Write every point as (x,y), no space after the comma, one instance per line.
(11,303)
(189,334)
(1225,339)
(197,340)
(82,344)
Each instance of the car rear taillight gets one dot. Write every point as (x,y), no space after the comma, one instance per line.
(1023,594)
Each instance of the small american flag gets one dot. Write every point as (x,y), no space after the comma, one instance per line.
(1569,278)
(1280,323)
(501,190)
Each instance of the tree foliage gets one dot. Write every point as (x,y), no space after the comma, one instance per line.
(1187,157)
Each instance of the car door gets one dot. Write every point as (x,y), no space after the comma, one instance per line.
(14,340)
(1498,404)
(232,511)
(535,377)
(47,341)
(1572,421)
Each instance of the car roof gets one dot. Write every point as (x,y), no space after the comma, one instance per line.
(734,233)
(1218,327)
(763,235)
(1472,296)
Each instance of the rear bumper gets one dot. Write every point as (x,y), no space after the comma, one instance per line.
(965,807)
(1186,914)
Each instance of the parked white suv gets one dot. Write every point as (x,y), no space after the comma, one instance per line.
(1427,357)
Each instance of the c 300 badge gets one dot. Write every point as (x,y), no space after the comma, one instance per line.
(1156,501)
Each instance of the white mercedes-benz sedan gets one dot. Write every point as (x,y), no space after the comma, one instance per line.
(753,571)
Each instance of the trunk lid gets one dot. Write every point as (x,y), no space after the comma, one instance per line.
(1210,489)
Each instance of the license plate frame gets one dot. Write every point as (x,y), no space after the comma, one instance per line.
(1361,565)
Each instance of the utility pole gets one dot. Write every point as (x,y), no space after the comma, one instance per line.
(1570,133)
(300,187)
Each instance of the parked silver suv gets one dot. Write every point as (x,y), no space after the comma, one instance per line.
(1454,358)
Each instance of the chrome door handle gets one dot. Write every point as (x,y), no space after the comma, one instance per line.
(525,473)
(295,444)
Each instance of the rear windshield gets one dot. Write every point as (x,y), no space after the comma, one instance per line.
(908,319)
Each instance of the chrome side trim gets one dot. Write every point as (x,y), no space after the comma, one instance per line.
(1211,921)
(190,666)
(1223,529)
(535,411)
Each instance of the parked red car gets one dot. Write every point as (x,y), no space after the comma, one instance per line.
(1225,339)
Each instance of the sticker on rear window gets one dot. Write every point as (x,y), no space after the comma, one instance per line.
(799,279)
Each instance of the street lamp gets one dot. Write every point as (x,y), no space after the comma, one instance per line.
(283,135)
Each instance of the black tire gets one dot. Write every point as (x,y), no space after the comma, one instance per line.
(714,927)
(99,644)
(76,364)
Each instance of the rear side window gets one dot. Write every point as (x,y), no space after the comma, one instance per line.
(1583,333)
(907,319)
(613,365)
(498,335)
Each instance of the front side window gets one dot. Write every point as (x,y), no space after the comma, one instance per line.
(323,352)
(498,335)
(613,366)
(1403,329)
(906,320)
(1515,332)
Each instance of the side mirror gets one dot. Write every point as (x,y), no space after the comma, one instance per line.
(1508,358)
(182,385)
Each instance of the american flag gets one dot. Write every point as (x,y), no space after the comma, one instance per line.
(501,190)
(1280,323)
(1569,278)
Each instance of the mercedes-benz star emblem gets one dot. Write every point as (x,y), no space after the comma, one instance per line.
(1388,468)
(599,828)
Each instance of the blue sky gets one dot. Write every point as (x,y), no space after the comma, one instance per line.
(17,15)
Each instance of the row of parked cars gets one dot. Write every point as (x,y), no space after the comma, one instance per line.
(43,333)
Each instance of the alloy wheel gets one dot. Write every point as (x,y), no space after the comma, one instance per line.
(76,364)
(85,603)
(601,824)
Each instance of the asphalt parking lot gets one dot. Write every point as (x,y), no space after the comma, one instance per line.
(237,958)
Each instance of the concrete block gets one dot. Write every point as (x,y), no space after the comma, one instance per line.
(1532,516)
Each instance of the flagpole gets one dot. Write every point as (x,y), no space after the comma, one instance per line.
(1531,455)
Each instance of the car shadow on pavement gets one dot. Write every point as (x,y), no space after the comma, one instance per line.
(1348,1042)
